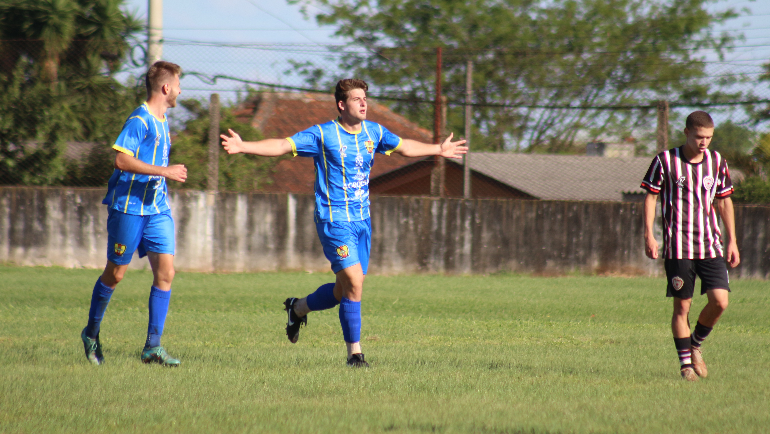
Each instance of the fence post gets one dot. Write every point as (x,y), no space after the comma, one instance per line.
(213,172)
(435,174)
(662,125)
(466,160)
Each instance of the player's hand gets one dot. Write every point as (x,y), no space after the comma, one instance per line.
(651,247)
(450,149)
(232,143)
(731,255)
(177,172)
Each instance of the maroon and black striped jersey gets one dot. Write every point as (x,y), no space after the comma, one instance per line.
(690,225)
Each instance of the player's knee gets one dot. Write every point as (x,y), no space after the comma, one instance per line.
(681,310)
(112,277)
(721,304)
(165,276)
(169,277)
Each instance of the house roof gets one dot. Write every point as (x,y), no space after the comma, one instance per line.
(282,114)
(564,177)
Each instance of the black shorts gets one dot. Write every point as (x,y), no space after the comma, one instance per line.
(681,276)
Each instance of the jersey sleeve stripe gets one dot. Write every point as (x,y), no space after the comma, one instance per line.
(400,142)
(140,118)
(122,149)
(294,145)
(651,188)
(725,193)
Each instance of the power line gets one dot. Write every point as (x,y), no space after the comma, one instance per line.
(675,104)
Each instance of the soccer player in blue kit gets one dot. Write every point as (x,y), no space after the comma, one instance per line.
(343,151)
(140,214)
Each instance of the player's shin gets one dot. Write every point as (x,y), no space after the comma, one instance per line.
(100,298)
(158,305)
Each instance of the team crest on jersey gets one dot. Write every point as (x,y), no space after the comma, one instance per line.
(677,283)
(680,181)
(708,182)
(343,251)
(369,146)
(120,249)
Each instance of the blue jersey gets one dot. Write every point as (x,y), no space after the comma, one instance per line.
(343,161)
(146,138)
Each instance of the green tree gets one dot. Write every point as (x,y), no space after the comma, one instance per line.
(752,190)
(241,172)
(57,64)
(532,58)
(735,142)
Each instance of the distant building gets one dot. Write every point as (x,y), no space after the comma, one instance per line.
(282,114)
(610,150)
(525,176)
(493,175)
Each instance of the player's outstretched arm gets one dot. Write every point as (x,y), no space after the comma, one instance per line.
(127,163)
(266,148)
(725,208)
(650,244)
(447,149)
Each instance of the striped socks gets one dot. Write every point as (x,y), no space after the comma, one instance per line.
(699,334)
(684,349)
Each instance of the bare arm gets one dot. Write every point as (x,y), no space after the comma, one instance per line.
(650,244)
(725,209)
(447,149)
(266,148)
(127,163)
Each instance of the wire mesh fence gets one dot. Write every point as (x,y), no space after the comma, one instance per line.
(556,132)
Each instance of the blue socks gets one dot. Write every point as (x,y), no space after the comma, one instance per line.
(158,310)
(350,311)
(100,298)
(323,298)
(350,320)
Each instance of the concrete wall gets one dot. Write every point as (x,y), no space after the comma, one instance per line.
(259,232)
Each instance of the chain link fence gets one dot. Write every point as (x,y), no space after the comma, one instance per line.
(555,138)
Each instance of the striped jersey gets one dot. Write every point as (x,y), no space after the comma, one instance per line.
(343,160)
(690,225)
(146,138)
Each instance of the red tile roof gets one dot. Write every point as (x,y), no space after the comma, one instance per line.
(282,114)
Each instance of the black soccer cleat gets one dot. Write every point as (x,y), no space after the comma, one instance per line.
(357,361)
(294,322)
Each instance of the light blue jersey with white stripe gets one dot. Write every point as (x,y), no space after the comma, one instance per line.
(146,138)
(343,160)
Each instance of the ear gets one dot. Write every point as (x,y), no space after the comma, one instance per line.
(341,105)
(686,131)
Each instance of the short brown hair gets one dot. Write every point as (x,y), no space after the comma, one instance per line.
(158,73)
(346,85)
(699,119)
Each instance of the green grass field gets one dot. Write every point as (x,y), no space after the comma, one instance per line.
(482,354)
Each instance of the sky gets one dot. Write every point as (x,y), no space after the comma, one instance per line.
(192,26)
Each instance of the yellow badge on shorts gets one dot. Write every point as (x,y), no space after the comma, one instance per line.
(369,146)
(120,249)
(343,251)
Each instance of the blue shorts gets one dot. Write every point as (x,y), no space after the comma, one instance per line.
(127,232)
(346,244)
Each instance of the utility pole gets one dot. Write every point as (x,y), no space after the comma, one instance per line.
(662,133)
(466,160)
(154,31)
(435,176)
